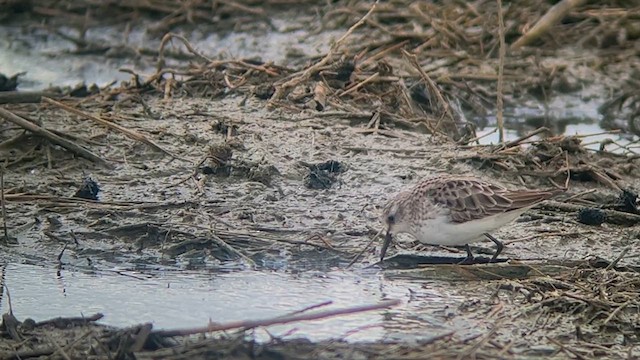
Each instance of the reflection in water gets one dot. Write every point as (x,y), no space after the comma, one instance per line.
(178,299)
(564,115)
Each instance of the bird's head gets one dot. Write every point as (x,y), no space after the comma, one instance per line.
(394,217)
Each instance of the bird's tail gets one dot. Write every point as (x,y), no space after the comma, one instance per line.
(528,198)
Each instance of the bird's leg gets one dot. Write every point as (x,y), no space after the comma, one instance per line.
(499,246)
(469,258)
(469,253)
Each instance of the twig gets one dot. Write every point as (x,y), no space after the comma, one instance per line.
(2,279)
(384,52)
(127,132)
(64,322)
(59,349)
(61,254)
(355,258)
(230,249)
(4,207)
(310,307)
(582,136)
(568,178)
(557,12)
(69,145)
(361,84)
(308,72)
(549,234)
(277,320)
(566,349)
(502,52)
(186,43)
(617,260)
(616,311)
(519,140)
(6,289)
(483,341)
(477,138)
(578,195)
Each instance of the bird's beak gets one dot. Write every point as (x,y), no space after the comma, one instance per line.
(385,245)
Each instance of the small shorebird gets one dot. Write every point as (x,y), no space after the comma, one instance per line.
(456,210)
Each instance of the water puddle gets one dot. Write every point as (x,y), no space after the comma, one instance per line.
(45,64)
(568,115)
(182,299)
(49,60)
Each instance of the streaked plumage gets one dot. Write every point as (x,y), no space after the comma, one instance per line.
(456,210)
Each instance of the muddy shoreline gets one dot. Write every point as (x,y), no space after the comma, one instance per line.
(263,138)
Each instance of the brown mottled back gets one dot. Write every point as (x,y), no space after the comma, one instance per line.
(470,198)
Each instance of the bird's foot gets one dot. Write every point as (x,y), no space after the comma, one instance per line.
(469,259)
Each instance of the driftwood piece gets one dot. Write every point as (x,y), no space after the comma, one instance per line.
(64,322)
(421,267)
(10,326)
(22,97)
(69,145)
(141,338)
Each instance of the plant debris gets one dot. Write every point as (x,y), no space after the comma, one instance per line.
(604,303)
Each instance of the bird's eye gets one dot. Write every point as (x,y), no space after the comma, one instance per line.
(391,218)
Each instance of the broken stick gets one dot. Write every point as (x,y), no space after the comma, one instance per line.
(55,139)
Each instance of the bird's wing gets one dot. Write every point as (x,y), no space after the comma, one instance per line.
(471,199)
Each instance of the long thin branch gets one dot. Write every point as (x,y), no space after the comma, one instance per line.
(127,132)
(248,324)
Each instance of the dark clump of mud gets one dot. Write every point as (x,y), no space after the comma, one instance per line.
(322,175)
(591,216)
(88,190)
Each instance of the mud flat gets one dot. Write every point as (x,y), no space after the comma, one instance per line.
(241,152)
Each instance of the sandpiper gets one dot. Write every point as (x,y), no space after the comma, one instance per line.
(456,210)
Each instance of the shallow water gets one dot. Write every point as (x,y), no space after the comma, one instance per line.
(569,114)
(182,299)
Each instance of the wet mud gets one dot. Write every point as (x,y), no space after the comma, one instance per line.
(271,152)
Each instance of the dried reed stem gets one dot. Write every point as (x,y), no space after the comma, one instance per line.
(502,52)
